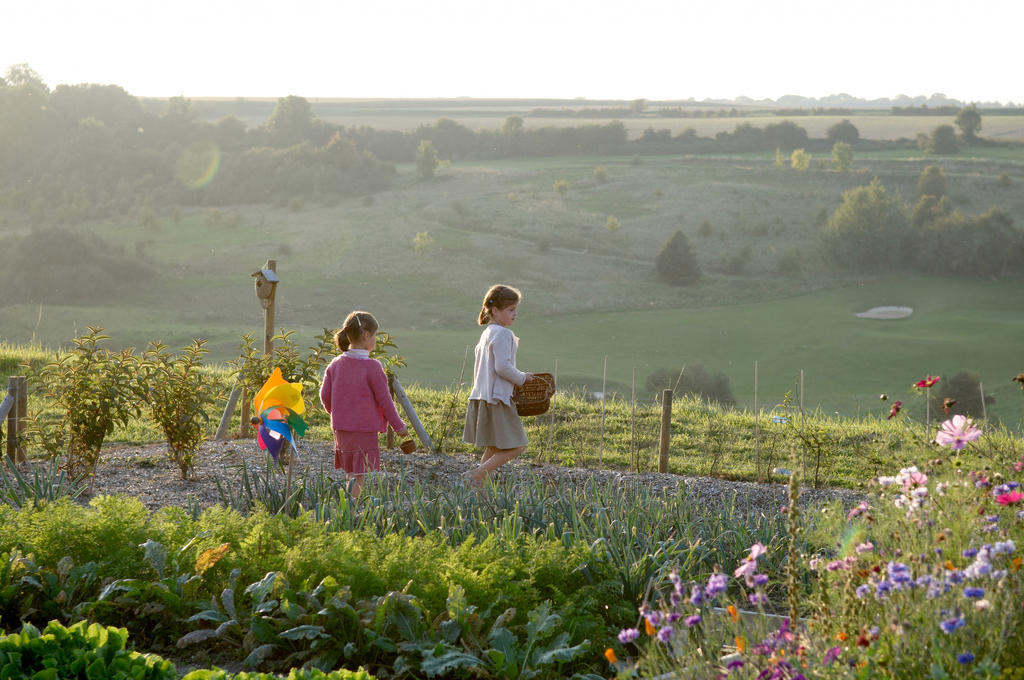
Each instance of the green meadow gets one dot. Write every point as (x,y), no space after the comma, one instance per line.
(765,294)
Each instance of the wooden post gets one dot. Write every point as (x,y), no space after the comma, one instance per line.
(9,406)
(225,419)
(803,449)
(268,314)
(666,430)
(984,409)
(551,421)
(22,424)
(604,389)
(403,399)
(757,430)
(632,425)
(244,427)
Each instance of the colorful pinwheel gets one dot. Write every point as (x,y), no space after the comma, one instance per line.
(279,407)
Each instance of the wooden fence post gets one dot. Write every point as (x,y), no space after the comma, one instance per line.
(22,425)
(225,419)
(417,426)
(9,407)
(244,427)
(666,430)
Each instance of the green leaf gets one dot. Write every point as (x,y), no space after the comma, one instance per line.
(448,660)
(304,633)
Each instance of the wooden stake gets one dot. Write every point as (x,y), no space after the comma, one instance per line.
(22,424)
(551,420)
(757,429)
(803,450)
(225,419)
(604,389)
(410,412)
(984,409)
(244,427)
(666,430)
(632,425)
(11,404)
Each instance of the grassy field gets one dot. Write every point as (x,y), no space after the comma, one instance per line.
(765,295)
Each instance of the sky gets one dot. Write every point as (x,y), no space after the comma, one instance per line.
(597,49)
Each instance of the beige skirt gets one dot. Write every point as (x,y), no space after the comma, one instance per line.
(493,425)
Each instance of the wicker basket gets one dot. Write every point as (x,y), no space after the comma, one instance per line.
(533,398)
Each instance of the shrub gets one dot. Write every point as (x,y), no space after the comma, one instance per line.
(561,187)
(601,174)
(842,156)
(932,182)
(676,264)
(1003,180)
(178,394)
(868,230)
(800,160)
(942,140)
(843,131)
(95,390)
(695,380)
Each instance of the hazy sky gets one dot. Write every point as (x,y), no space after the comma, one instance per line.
(656,49)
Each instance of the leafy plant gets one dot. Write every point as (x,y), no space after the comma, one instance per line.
(95,390)
(81,650)
(178,393)
(46,485)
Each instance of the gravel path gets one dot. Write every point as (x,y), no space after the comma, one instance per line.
(147,473)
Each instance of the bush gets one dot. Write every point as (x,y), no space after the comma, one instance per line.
(868,230)
(95,390)
(696,381)
(676,264)
(932,182)
(843,131)
(178,394)
(942,140)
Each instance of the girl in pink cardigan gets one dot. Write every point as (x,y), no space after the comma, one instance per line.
(356,395)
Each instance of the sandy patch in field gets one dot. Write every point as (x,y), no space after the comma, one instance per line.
(886,313)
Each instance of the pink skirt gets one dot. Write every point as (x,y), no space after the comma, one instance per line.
(356,452)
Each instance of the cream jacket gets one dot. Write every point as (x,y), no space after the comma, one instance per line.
(494,366)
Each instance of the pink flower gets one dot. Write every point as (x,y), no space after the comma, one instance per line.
(862,507)
(956,432)
(747,570)
(895,409)
(756,551)
(927,382)
(1010,498)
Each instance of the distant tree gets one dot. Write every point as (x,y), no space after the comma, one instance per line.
(612,225)
(867,232)
(601,174)
(843,131)
(676,264)
(291,122)
(1003,180)
(422,242)
(637,105)
(842,156)
(561,187)
(230,133)
(426,159)
(23,75)
(780,160)
(512,125)
(800,160)
(942,140)
(785,135)
(929,210)
(969,121)
(932,182)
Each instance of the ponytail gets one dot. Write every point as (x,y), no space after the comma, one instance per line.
(355,325)
(499,297)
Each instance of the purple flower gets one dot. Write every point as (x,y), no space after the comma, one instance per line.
(665,633)
(696,596)
(1004,548)
(974,592)
(956,432)
(716,584)
(654,618)
(831,655)
(734,664)
(627,635)
(673,617)
(757,598)
(865,547)
(692,621)
(760,579)
(862,591)
(965,658)
(970,552)
(949,625)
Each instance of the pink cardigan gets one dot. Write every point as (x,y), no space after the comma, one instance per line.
(355,393)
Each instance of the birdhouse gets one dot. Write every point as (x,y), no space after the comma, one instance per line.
(266,283)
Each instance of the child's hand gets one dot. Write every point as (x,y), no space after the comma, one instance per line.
(529,377)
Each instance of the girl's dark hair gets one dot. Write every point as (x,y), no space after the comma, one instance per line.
(500,297)
(355,325)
